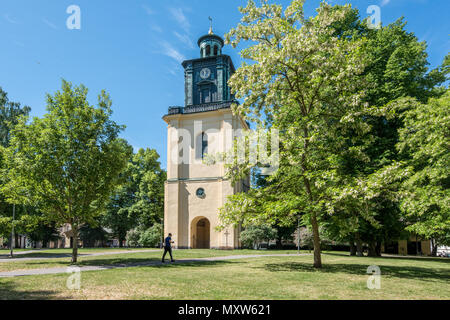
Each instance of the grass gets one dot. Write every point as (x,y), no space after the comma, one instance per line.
(135,257)
(291,277)
(36,252)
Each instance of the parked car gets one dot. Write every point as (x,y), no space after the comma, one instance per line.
(443,252)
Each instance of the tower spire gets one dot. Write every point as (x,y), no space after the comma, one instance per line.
(210,26)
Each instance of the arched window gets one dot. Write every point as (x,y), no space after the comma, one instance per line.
(208,50)
(215,50)
(204,144)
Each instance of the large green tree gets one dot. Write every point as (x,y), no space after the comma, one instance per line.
(364,206)
(397,67)
(67,163)
(10,112)
(140,199)
(425,138)
(307,82)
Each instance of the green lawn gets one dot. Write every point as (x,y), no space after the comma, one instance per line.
(5,252)
(292,277)
(137,257)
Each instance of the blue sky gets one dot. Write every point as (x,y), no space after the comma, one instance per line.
(134,48)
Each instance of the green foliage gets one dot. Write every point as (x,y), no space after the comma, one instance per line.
(151,237)
(149,178)
(133,237)
(253,235)
(43,231)
(144,237)
(140,199)
(308,82)
(425,137)
(306,238)
(66,164)
(326,83)
(10,113)
(91,235)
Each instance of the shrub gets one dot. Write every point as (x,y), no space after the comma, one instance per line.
(253,235)
(151,237)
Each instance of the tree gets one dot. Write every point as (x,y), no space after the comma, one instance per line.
(90,235)
(253,235)
(140,199)
(44,231)
(67,163)
(10,112)
(133,237)
(151,237)
(425,137)
(148,206)
(396,67)
(308,83)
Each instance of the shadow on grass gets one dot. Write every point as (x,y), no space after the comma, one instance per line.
(39,255)
(128,262)
(8,291)
(407,272)
(406,258)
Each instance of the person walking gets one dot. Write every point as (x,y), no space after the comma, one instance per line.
(168,248)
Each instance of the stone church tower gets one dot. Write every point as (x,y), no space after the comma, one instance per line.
(194,191)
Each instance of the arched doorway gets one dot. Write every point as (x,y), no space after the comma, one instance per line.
(200,233)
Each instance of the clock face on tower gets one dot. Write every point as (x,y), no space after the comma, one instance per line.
(205,73)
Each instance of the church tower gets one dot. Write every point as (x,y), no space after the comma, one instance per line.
(194,191)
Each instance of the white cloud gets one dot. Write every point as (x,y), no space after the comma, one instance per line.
(385,2)
(170,51)
(51,25)
(180,17)
(156,28)
(184,38)
(9,19)
(175,69)
(148,10)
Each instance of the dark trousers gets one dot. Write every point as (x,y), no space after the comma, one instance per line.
(169,250)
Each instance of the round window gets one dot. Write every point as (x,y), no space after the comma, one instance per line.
(201,193)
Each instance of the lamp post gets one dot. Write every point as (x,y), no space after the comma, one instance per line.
(12,233)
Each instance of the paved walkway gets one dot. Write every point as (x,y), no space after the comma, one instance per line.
(66,255)
(58,270)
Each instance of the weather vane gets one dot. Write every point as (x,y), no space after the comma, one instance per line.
(210,25)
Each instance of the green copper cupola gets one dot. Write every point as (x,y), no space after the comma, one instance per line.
(210,45)
(206,78)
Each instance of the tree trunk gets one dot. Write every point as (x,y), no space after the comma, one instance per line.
(316,240)
(378,249)
(359,247)
(372,249)
(279,244)
(121,242)
(433,248)
(75,244)
(352,248)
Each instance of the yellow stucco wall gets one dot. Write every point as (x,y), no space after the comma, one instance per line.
(402,247)
(183,208)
